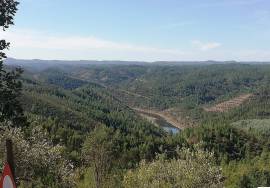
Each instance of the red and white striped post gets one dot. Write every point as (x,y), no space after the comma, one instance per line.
(8,178)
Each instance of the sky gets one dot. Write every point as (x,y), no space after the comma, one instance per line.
(141,30)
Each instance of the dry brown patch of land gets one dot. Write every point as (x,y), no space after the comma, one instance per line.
(170,115)
(230,104)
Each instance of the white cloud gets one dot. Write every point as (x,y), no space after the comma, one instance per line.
(204,46)
(25,42)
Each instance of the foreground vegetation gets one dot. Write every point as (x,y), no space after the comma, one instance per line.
(74,126)
(102,142)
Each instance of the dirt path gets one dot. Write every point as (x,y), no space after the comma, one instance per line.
(134,94)
(230,104)
(166,116)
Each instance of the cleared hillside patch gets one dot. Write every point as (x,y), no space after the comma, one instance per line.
(230,104)
(170,115)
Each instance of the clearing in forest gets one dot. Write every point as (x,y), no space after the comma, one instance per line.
(230,104)
(168,115)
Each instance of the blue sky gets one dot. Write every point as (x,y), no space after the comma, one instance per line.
(149,30)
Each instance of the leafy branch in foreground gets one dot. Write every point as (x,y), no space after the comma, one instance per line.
(11,112)
(191,169)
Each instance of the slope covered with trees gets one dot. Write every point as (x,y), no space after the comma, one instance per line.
(95,113)
(74,125)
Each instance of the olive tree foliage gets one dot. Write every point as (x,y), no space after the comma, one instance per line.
(190,169)
(10,86)
(98,153)
(38,162)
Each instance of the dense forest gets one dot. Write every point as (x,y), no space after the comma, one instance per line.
(133,124)
(88,112)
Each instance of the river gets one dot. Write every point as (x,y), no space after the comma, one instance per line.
(158,120)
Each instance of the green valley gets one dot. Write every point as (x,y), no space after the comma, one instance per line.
(133,103)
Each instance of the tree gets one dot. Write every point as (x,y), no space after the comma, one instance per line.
(98,153)
(190,169)
(11,111)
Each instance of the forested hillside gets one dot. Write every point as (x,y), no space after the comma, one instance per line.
(96,106)
(129,124)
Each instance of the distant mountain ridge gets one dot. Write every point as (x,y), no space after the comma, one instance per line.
(13,61)
(43,64)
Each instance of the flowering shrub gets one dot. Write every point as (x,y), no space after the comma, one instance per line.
(37,161)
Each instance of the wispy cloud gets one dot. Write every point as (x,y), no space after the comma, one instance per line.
(28,44)
(85,46)
(204,46)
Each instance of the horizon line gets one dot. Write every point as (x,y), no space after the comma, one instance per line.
(158,61)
